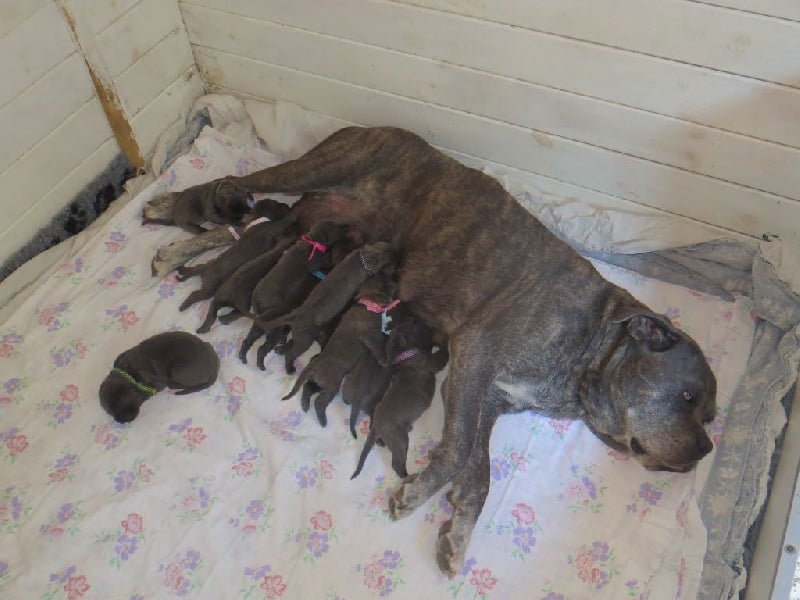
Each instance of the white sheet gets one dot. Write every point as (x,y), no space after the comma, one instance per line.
(230,493)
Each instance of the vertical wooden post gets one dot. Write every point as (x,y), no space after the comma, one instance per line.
(103,81)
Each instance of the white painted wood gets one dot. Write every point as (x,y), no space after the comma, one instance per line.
(32,115)
(36,173)
(699,34)
(40,213)
(701,198)
(12,13)
(155,71)
(786,9)
(701,95)
(138,30)
(736,158)
(31,49)
(101,13)
(166,108)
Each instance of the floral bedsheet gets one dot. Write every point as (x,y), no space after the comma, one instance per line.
(231,493)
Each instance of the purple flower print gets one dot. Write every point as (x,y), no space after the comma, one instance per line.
(591,488)
(16,508)
(524,539)
(166,290)
(12,385)
(63,357)
(234,404)
(204,497)
(65,513)
(180,427)
(600,551)
(465,570)
(257,574)
(224,348)
(124,480)
(66,461)
(500,468)
(293,419)
(248,454)
(317,543)
(116,236)
(125,546)
(554,596)
(390,560)
(62,413)
(192,559)
(255,509)
(63,575)
(649,494)
(306,477)
(11,338)
(3,568)
(78,265)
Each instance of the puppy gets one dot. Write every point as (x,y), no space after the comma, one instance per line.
(330,297)
(223,201)
(364,386)
(174,359)
(410,392)
(359,332)
(289,282)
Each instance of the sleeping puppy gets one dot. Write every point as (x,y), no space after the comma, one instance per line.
(410,392)
(364,386)
(237,291)
(256,240)
(330,297)
(174,359)
(288,283)
(223,201)
(359,332)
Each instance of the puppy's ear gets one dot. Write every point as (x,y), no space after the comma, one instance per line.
(126,414)
(654,331)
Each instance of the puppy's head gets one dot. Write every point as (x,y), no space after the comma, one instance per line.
(407,332)
(654,396)
(380,256)
(229,204)
(120,399)
(272,209)
(328,233)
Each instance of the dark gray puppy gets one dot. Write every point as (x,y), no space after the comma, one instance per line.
(330,297)
(223,201)
(364,386)
(359,332)
(287,284)
(531,324)
(410,392)
(174,359)
(255,241)
(237,291)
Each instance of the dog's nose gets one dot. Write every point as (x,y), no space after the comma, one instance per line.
(704,445)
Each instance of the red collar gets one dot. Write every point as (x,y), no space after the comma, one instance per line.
(377,308)
(314,246)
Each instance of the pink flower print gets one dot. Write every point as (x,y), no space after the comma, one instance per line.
(325,469)
(76,587)
(559,427)
(363,428)
(523,514)
(128,319)
(145,473)
(198,163)
(243,468)
(5,400)
(17,444)
(133,524)
(81,349)
(518,460)
(6,350)
(69,393)
(483,581)
(322,521)
(59,474)
(373,576)
(174,578)
(194,436)
(617,455)
(112,247)
(273,586)
(649,494)
(237,386)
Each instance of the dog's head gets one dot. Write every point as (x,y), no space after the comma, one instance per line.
(653,395)
(120,399)
(230,203)
(377,257)
(271,209)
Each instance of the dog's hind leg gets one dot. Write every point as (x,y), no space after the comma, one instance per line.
(229,317)
(211,316)
(398,446)
(185,272)
(364,452)
(195,296)
(252,335)
(321,403)
(273,338)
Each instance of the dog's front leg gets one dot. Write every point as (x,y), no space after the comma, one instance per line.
(468,495)
(168,258)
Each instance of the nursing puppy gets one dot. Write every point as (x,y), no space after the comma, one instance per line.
(174,359)
(410,392)
(287,284)
(359,332)
(330,297)
(531,324)
(222,201)
(364,386)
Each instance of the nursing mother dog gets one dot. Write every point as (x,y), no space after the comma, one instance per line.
(531,324)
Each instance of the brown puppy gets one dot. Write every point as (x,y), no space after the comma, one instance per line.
(330,297)
(359,332)
(174,359)
(531,324)
(223,201)
(289,282)
(364,386)
(410,392)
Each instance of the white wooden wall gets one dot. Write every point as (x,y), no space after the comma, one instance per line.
(690,107)
(54,133)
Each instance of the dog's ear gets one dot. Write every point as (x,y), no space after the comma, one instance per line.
(126,414)
(652,330)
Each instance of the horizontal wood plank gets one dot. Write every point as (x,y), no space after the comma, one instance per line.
(699,34)
(785,9)
(102,13)
(701,198)
(738,104)
(15,12)
(731,157)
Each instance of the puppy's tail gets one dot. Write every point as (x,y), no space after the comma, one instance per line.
(366,450)
(302,378)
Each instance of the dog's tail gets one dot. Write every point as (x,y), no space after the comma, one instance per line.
(366,450)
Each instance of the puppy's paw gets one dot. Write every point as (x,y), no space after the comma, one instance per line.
(450,550)
(403,500)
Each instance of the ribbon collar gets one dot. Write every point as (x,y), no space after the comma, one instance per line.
(314,246)
(146,389)
(257,221)
(406,354)
(364,264)
(374,307)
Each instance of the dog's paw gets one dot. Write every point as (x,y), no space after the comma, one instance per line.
(450,550)
(403,502)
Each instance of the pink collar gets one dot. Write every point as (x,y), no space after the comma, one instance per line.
(314,246)
(374,307)
(257,221)
(405,355)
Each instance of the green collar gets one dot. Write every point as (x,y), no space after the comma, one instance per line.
(150,391)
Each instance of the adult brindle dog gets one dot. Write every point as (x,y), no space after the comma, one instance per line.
(531,324)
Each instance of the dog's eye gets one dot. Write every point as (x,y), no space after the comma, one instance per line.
(636,446)
(688,397)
